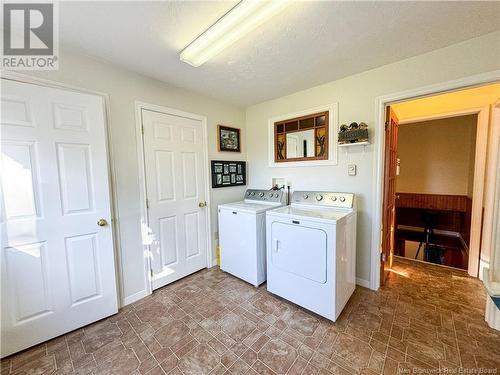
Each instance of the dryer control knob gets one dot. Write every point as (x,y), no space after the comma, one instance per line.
(342,199)
(261,195)
(334,198)
(305,196)
(319,197)
(253,192)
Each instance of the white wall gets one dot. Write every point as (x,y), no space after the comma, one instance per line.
(124,88)
(437,157)
(356,96)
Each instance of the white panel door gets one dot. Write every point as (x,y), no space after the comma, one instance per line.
(58,270)
(175,186)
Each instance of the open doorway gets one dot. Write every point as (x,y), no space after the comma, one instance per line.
(434,190)
(434,178)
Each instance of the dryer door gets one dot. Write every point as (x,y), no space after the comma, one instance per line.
(300,250)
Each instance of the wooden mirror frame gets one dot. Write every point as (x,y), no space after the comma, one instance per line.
(297,124)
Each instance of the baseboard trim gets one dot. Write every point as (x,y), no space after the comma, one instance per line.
(134,297)
(363,282)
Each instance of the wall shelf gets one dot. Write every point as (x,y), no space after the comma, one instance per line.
(353,144)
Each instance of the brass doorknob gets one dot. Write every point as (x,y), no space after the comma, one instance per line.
(102,222)
(202,204)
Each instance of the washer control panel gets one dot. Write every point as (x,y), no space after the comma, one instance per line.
(264,195)
(324,198)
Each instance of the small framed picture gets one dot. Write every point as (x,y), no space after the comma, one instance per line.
(226,173)
(228,138)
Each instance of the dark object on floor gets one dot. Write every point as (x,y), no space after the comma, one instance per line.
(429,218)
(434,254)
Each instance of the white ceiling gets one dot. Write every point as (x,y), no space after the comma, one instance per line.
(307,44)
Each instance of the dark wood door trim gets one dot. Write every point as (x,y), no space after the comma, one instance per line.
(389,197)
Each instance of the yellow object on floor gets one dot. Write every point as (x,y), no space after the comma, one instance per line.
(217,255)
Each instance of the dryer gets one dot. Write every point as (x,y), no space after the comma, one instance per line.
(311,251)
(242,234)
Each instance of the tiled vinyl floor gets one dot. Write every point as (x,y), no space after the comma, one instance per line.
(425,318)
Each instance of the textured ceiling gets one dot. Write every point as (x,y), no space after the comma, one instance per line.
(307,44)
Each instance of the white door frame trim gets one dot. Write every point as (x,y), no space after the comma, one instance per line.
(115,226)
(491,278)
(443,115)
(380,103)
(139,106)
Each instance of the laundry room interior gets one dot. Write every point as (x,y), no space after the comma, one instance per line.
(250,187)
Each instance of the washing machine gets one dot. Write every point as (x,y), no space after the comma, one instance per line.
(242,234)
(311,251)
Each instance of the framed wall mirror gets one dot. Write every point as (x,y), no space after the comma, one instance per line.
(302,138)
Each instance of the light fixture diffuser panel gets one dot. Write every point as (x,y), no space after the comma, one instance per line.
(239,21)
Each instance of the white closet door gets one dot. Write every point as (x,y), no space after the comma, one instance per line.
(58,270)
(175,184)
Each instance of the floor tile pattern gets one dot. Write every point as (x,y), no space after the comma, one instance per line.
(425,320)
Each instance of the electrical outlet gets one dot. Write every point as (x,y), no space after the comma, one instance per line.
(351,169)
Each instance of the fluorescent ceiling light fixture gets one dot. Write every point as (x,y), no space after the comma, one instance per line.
(239,21)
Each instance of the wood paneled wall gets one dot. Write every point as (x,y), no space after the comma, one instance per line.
(455,211)
(441,202)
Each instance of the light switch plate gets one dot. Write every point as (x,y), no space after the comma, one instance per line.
(351,169)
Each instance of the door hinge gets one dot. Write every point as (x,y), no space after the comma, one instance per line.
(382,257)
(151,273)
(386,125)
(147,203)
(142,129)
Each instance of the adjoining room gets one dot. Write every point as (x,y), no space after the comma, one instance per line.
(436,162)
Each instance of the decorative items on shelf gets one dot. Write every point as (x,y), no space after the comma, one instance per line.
(228,173)
(354,133)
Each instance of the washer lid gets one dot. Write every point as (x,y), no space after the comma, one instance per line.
(249,207)
(308,213)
